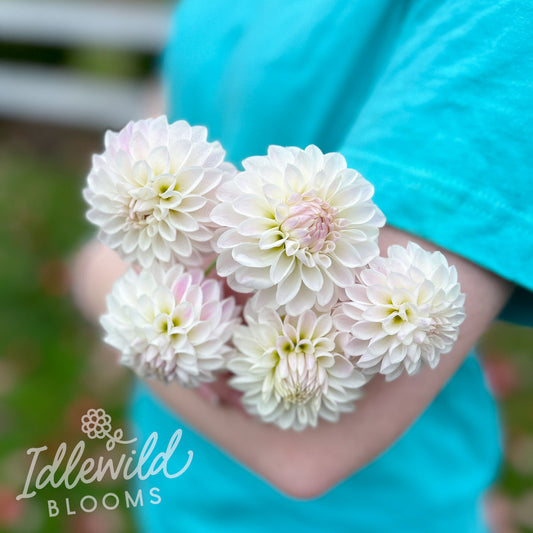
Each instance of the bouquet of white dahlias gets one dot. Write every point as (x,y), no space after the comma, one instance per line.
(298,232)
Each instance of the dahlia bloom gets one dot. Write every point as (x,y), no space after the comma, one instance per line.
(290,369)
(152,190)
(170,325)
(405,312)
(295,224)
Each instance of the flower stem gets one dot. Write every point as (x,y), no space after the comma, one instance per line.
(210,267)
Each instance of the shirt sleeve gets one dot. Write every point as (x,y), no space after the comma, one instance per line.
(446,135)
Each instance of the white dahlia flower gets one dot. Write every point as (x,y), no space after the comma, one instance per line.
(170,325)
(290,369)
(296,223)
(405,312)
(152,190)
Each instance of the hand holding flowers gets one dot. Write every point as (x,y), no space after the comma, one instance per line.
(297,230)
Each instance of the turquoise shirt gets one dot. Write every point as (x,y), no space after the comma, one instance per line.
(428,100)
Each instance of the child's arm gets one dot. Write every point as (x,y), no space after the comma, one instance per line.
(308,463)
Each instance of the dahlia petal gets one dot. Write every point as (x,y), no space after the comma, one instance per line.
(294,178)
(312,277)
(304,300)
(159,160)
(139,146)
(257,279)
(183,221)
(192,203)
(272,238)
(229,239)
(252,206)
(347,254)
(224,215)
(256,226)
(281,268)
(340,274)
(279,156)
(326,294)
(247,255)
(288,288)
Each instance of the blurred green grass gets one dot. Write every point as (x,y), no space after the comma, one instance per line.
(48,373)
(50,370)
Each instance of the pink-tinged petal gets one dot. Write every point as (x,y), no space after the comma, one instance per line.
(181,286)
(211,312)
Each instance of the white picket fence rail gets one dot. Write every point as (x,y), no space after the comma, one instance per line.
(38,92)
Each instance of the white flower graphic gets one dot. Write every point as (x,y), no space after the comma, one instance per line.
(96,424)
(295,225)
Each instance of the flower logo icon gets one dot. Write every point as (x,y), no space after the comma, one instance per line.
(96,424)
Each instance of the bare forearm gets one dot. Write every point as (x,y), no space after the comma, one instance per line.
(308,463)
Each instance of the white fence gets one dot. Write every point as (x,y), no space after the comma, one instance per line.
(38,92)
